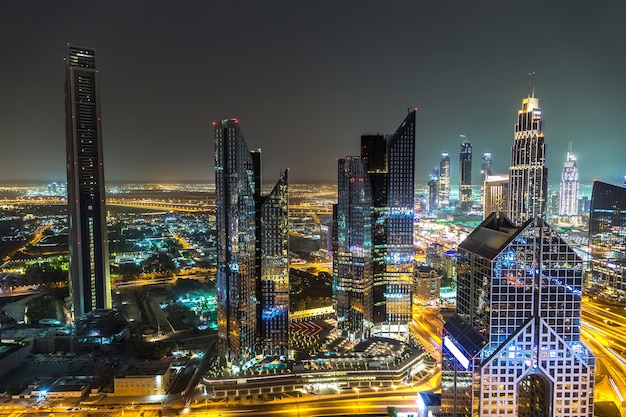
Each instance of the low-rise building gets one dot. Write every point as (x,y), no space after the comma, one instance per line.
(144,378)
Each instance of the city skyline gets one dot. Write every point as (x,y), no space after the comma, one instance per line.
(300,64)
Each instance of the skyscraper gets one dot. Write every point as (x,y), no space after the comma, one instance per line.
(568,203)
(465,175)
(433,191)
(252,271)
(514,346)
(444,181)
(496,197)
(528,173)
(485,171)
(607,228)
(352,257)
(90,283)
(391,167)
(485,168)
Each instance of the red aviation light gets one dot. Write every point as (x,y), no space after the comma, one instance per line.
(214,123)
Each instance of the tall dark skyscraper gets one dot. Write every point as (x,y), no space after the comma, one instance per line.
(433,191)
(607,228)
(528,173)
(352,256)
(90,283)
(465,175)
(391,167)
(514,346)
(252,252)
(444,181)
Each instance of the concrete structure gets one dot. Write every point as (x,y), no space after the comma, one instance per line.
(144,378)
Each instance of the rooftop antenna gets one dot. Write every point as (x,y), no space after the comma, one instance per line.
(533,96)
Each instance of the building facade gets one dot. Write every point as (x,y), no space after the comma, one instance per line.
(514,346)
(427,286)
(90,284)
(607,237)
(352,258)
(496,196)
(252,252)
(568,201)
(444,181)
(433,191)
(390,164)
(485,171)
(528,173)
(465,175)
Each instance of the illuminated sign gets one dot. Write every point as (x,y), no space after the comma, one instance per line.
(456,352)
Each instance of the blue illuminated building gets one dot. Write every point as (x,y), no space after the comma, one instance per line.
(514,346)
(252,252)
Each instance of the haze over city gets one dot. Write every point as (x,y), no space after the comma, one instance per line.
(306,80)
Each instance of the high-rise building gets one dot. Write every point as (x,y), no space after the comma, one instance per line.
(444,181)
(485,171)
(514,346)
(391,167)
(433,191)
(607,237)
(252,271)
(352,257)
(90,284)
(528,173)
(568,205)
(465,175)
(485,167)
(496,194)
(427,286)
(273,236)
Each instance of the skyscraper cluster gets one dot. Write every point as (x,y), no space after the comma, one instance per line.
(514,346)
(374,234)
(252,245)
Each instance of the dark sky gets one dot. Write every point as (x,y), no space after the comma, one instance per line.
(306,79)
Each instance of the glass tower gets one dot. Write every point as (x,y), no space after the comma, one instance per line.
(391,167)
(514,346)
(568,202)
(433,191)
(252,272)
(465,175)
(90,284)
(444,181)
(274,262)
(352,258)
(528,173)
(485,171)
(607,237)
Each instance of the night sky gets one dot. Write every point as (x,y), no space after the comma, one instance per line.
(306,79)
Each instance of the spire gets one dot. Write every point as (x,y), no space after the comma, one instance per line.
(531,84)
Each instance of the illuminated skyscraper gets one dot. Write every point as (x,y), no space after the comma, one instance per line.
(528,173)
(465,175)
(352,257)
(433,191)
(274,262)
(514,346)
(444,181)
(252,270)
(90,283)
(391,167)
(607,237)
(496,197)
(485,171)
(568,203)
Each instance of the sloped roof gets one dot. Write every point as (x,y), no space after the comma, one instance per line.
(492,236)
